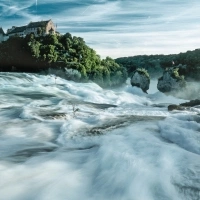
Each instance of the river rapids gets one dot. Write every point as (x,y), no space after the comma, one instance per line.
(61,140)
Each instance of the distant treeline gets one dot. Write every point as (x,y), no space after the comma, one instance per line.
(189,63)
(59,52)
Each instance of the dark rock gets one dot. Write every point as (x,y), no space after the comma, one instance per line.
(191,103)
(140,79)
(175,107)
(184,106)
(171,81)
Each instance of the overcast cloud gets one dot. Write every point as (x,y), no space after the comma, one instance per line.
(115,28)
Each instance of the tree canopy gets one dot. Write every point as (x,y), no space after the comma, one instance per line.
(188,63)
(35,54)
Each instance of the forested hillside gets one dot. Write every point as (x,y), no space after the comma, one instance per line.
(188,63)
(36,54)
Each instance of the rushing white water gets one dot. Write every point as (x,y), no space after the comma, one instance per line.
(64,140)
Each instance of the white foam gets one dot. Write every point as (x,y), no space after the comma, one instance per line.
(183,133)
(131,157)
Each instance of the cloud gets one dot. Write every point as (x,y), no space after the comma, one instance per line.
(15,13)
(116,27)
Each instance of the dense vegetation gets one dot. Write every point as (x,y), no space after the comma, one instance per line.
(143,71)
(174,73)
(59,52)
(188,63)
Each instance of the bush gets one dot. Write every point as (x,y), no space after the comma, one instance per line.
(143,71)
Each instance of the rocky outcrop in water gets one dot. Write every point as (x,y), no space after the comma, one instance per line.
(171,81)
(141,79)
(184,106)
(176,107)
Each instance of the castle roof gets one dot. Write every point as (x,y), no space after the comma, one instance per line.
(18,29)
(21,29)
(37,24)
(1,31)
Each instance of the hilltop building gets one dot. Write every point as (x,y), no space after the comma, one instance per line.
(37,28)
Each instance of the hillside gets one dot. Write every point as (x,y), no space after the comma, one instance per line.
(188,62)
(65,53)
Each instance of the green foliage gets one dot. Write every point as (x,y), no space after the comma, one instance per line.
(37,53)
(150,63)
(143,71)
(34,48)
(189,63)
(175,73)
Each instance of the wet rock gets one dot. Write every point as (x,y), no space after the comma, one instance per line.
(184,106)
(171,81)
(55,116)
(175,107)
(191,103)
(140,78)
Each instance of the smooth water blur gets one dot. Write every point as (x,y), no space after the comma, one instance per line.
(65,140)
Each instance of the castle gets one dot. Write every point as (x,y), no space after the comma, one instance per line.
(37,28)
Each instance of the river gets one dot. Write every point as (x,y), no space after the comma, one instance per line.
(64,140)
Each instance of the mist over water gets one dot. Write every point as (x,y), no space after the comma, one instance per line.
(120,144)
(191,91)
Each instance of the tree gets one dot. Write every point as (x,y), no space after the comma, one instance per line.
(65,51)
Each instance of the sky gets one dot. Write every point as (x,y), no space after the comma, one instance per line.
(115,28)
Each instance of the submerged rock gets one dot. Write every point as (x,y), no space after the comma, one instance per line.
(184,106)
(191,103)
(171,81)
(140,78)
(175,107)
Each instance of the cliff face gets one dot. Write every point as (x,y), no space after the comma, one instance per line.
(141,80)
(170,81)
